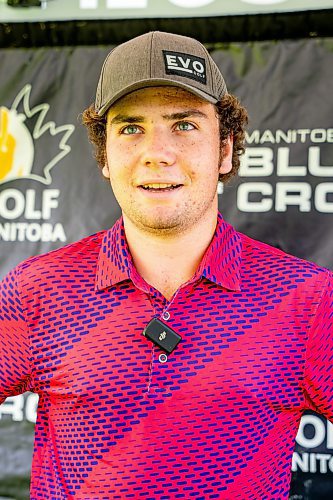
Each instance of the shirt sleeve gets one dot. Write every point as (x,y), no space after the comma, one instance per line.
(14,340)
(319,356)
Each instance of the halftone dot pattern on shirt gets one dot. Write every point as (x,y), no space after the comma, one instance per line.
(217,420)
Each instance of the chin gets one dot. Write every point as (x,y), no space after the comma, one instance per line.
(160,224)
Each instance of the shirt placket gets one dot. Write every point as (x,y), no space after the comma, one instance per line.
(160,361)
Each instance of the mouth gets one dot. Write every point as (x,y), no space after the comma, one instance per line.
(160,187)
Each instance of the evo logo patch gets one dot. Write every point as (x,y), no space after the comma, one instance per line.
(178,63)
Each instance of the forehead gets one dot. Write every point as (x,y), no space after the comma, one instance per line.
(163,96)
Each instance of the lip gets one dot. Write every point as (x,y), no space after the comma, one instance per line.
(158,181)
(159,192)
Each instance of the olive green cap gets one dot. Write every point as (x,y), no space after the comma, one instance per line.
(156,59)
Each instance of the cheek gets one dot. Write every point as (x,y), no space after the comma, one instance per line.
(115,175)
(119,176)
(120,156)
(115,161)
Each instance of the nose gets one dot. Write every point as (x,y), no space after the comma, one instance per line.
(158,149)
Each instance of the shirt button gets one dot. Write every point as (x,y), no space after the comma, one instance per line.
(166,315)
(163,358)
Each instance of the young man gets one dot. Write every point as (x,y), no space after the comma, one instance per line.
(172,355)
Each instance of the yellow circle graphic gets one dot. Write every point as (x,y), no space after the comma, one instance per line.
(16,146)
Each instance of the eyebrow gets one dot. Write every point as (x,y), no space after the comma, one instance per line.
(127,119)
(185,114)
(122,118)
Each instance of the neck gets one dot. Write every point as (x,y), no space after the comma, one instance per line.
(167,262)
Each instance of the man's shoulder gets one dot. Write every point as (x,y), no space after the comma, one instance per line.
(79,254)
(263,258)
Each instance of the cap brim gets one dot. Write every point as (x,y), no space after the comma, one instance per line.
(154,82)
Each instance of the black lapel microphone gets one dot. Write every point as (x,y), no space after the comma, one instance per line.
(162,335)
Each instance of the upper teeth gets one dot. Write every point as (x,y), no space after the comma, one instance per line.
(158,186)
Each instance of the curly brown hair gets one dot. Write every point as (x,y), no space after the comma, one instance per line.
(232,119)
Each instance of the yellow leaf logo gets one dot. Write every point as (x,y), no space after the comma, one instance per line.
(17,143)
(7,145)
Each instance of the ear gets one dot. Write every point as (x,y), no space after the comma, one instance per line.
(226,162)
(105,171)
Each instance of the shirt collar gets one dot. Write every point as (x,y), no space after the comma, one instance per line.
(222,260)
(220,264)
(114,261)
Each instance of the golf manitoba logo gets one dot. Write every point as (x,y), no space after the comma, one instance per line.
(178,63)
(22,128)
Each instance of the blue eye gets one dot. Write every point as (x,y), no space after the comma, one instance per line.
(185,126)
(131,129)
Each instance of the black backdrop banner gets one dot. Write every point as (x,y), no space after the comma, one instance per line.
(51,192)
